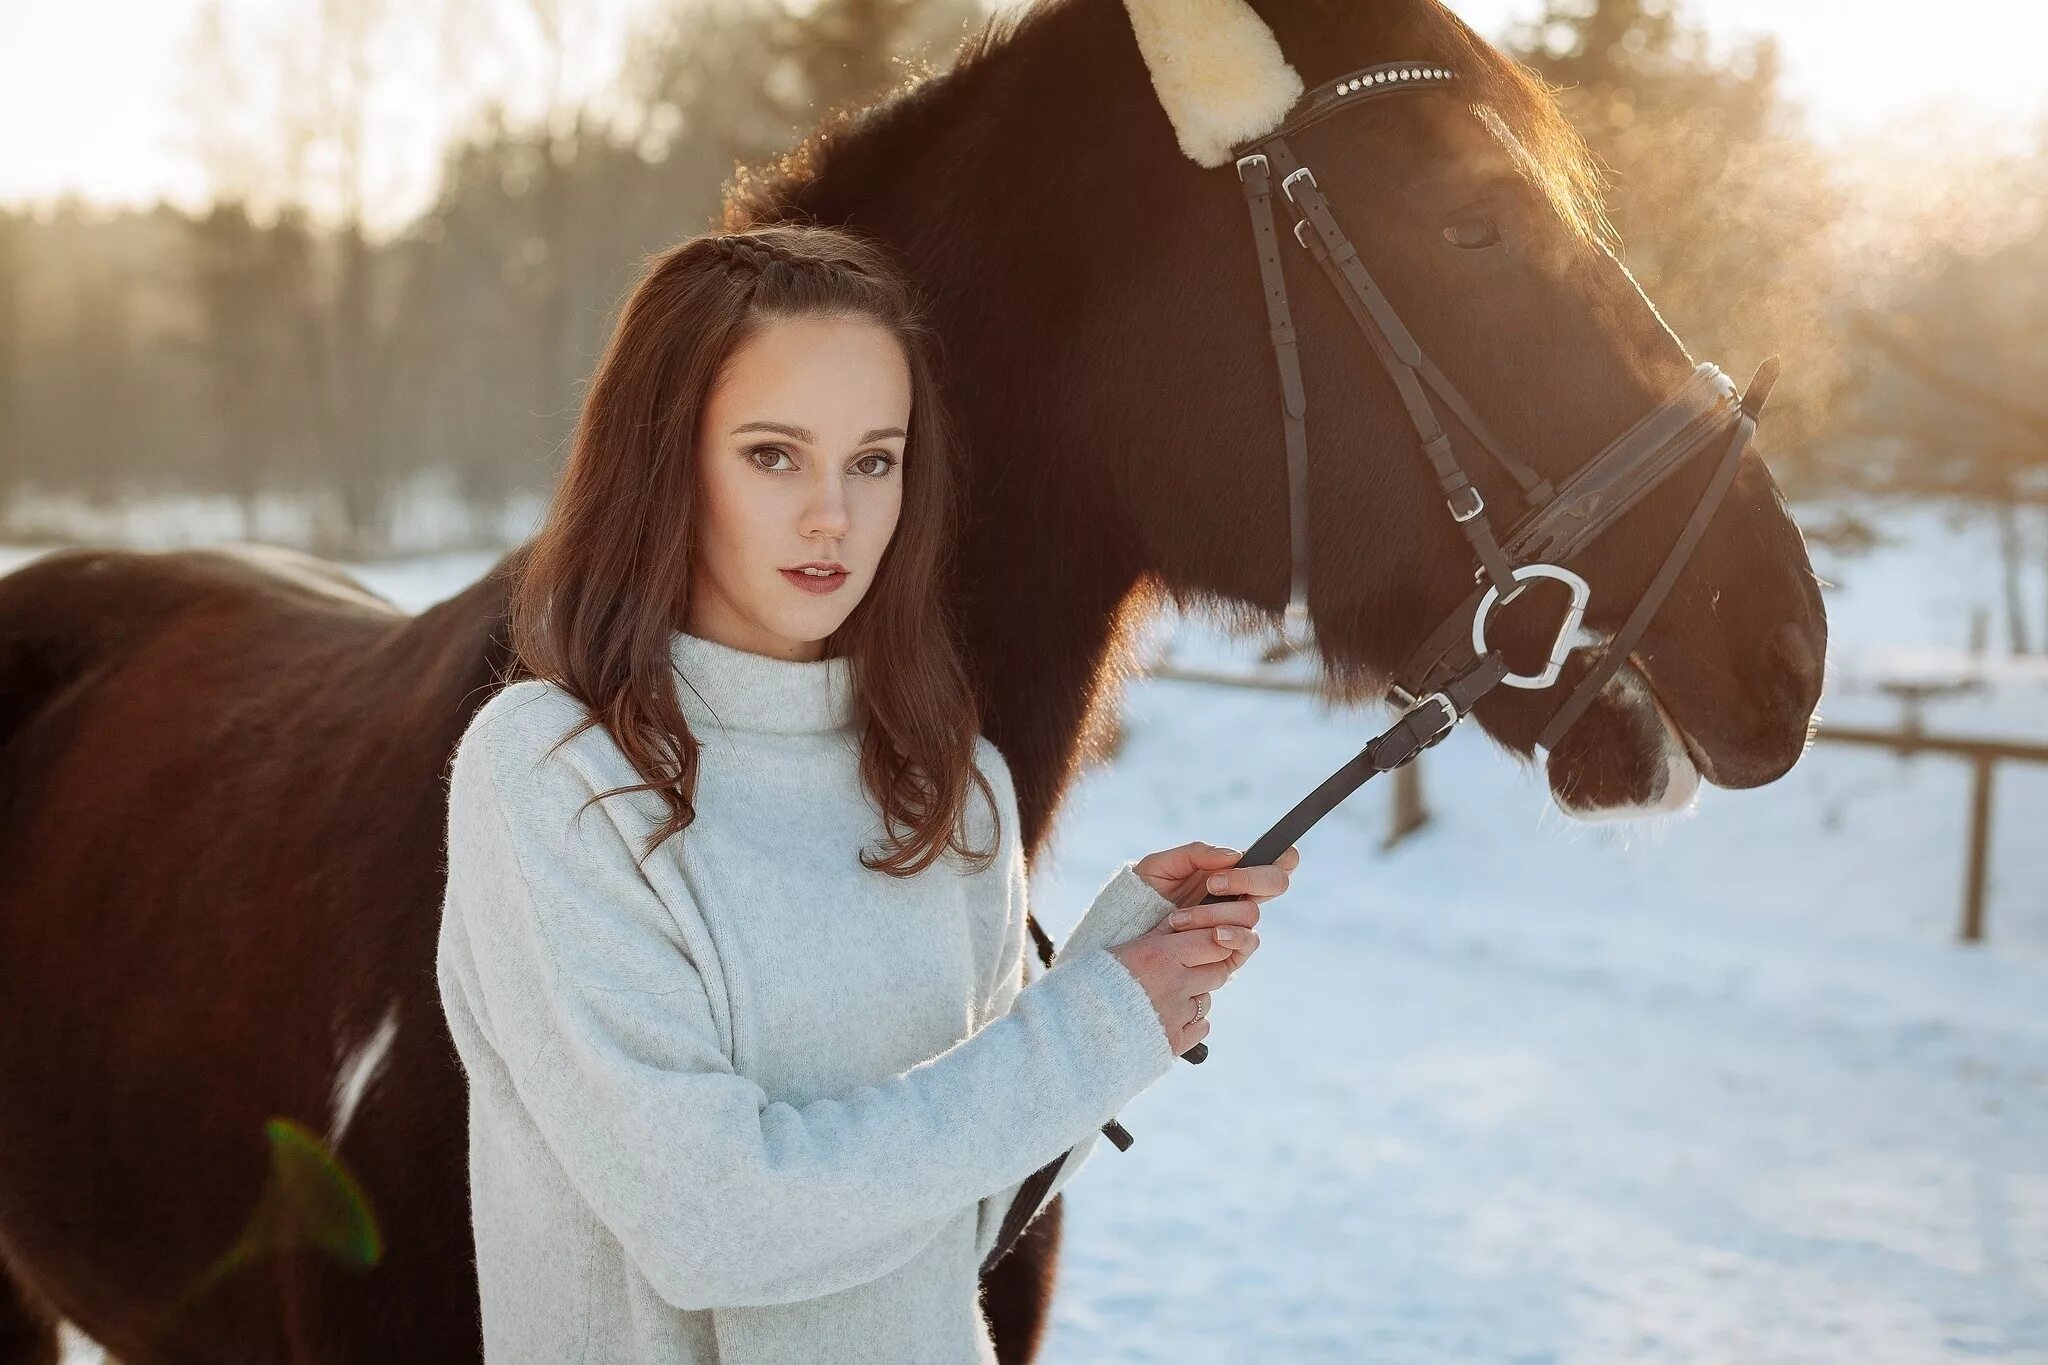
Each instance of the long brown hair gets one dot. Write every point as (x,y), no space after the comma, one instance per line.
(606,580)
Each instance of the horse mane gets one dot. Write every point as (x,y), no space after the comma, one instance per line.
(769,191)
(1518,106)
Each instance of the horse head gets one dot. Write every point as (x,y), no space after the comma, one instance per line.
(1069,195)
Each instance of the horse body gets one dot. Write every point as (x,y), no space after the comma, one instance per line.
(218,872)
(221,799)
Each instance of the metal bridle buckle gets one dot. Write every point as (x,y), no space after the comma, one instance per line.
(1566,631)
(1287,185)
(1478,505)
(1259,157)
(1451,716)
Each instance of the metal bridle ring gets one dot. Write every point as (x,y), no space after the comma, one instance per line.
(1566,630)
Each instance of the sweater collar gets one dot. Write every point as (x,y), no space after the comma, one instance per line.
(738,689)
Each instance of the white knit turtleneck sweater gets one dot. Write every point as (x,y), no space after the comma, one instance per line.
(752,1102)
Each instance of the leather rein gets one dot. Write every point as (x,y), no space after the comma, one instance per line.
(1444,677)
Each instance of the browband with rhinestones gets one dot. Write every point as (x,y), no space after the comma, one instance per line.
(1351,87)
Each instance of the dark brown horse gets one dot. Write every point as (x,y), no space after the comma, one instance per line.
(221,800)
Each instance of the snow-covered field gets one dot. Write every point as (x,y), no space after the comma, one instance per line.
(1720,1088)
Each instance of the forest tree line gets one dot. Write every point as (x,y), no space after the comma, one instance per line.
(249,354)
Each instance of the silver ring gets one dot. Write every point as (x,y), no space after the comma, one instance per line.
(1201,1007)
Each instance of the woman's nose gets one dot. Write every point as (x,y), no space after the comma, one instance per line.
(827,514)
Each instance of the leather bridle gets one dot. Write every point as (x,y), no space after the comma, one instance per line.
(1555,523)
(1441,680)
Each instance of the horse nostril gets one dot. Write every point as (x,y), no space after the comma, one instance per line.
(1799,657)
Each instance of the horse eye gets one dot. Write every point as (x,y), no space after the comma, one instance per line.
(1472,234)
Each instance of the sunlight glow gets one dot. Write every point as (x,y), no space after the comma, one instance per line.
(1856,66)
(103,100)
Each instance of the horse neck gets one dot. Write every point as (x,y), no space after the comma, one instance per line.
(1044,574)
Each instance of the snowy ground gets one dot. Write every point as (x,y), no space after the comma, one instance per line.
(1721,1088)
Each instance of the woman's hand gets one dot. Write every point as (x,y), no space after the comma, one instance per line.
(1194,950)
(1181,875)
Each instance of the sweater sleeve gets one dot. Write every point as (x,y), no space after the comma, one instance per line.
(1123,908)
(720,1193)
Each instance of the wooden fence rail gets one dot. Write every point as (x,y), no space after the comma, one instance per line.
(1982,754)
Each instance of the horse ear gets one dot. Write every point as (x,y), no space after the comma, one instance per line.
(1218,70)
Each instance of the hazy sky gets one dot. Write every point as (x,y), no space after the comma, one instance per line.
(95,96)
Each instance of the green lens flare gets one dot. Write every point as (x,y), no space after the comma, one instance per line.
(309,1200)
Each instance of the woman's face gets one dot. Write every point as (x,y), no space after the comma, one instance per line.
(800,460)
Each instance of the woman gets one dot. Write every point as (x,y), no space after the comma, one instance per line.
(735,967)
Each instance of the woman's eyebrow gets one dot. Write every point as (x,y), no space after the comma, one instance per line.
(803,434)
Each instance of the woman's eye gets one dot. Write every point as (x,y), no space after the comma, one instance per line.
(1471,234)
(888,463)
(759,451)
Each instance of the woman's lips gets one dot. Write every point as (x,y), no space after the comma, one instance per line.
(813,583)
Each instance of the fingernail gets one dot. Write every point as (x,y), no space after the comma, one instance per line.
(1218,881)
(1225,934)
(1231,851)
(1179,919)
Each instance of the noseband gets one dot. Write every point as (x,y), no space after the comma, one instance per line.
(1446,675)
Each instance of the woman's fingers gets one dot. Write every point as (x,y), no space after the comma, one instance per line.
(1245,913)
(1174,865)
(1204,973)
(1201,947)
(1183,875)
(1225,925)
(1261,883)
(1198,947)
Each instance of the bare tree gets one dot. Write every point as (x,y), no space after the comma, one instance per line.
(1986,443)
(13,241)
(1722,204)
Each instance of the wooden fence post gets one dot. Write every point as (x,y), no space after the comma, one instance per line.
(1408,812)
(1980,843)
